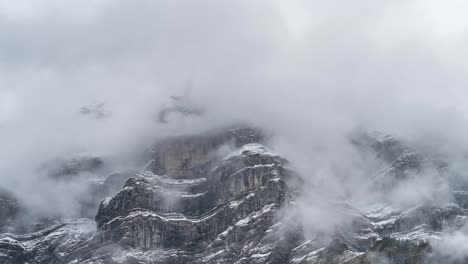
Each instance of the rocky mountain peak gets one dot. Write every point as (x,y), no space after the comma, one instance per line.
(224,196)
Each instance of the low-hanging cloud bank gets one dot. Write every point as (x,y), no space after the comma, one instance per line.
(311,72)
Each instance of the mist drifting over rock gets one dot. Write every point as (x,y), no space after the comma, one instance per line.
(233,131)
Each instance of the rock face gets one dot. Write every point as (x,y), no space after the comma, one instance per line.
(225,197)
(181,105)
(74,166)
(191,156)
(8,208)
(390,250)
(199,195)
(49,244)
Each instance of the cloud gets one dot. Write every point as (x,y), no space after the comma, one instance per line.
(312,72)
(452,247)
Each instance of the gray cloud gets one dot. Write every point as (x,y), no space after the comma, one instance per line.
(309,71)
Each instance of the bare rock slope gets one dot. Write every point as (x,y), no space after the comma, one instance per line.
(218,197)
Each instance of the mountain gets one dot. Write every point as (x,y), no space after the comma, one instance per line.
(224,196)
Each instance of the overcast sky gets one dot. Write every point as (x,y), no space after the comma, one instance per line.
(310,71)
(344,57)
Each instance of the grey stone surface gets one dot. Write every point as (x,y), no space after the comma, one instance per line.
(218,197)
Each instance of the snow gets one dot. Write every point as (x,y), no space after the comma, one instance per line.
(106,201)
(274,228)
(168,180)
(226,232)
(418,233)
(378,211)
(264,255)
(8,239)
(192,195)
(250,149)
(70,230)
(163,217)
(235,203)
(257,166)
(368,236)
(302,245)
(384,223)
(275,179)
(245,221)
(250,195)
(240,260)
(212,255)
(309,257)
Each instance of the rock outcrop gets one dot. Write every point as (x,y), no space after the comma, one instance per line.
(199,194)
(9,208)
(224,197)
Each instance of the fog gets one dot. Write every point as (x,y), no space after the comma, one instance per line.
(311,72)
